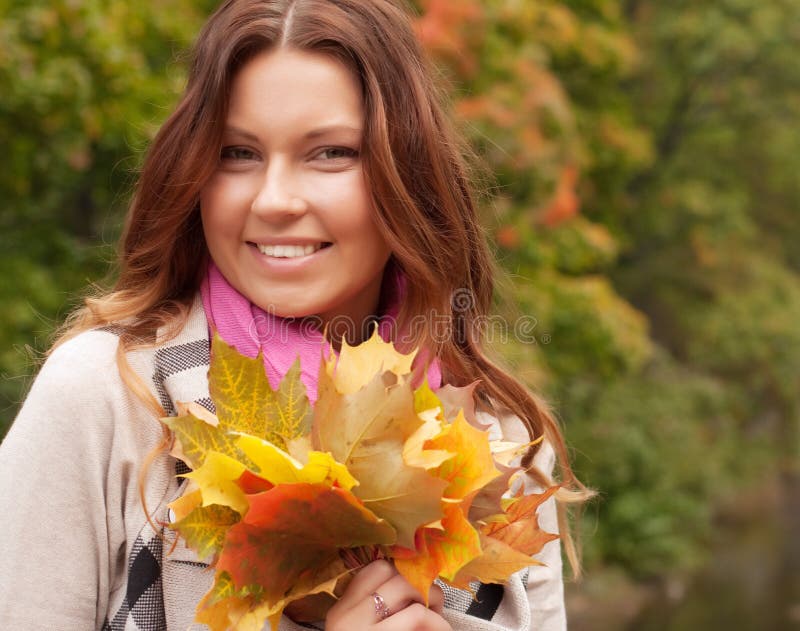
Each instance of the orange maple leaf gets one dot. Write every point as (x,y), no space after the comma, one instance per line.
(497,562)
(439,551)
(293,531)
(472,466)
(521,529)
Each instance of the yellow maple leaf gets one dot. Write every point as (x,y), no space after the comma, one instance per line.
(186,503)
(205,527)
(245,401)
(366,431)
(239,388)
(289,414)
(194,437)
(321,467)
(414,450)
(270,462)
(357,365)
(216,479)
(425,399)
(278,467)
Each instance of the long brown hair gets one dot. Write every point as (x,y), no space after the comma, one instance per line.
(414,164)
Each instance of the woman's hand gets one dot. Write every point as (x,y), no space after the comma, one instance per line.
(380,597)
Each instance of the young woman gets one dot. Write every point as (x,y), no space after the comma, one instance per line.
(309,173)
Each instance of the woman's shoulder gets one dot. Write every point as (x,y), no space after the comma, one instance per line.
(84,372)
(96,350)
(76,405)
(85,361)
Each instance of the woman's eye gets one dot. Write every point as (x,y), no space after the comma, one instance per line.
(236,153)
(333,153)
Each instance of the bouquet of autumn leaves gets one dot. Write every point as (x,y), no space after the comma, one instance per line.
(286,501)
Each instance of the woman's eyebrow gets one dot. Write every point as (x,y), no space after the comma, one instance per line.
(310,135)
(231,129)
(329,129)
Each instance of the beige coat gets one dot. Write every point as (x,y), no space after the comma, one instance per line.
(76,549)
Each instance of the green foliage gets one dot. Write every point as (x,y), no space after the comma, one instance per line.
(665,126)
(644,437)
(83,86)
(591,330)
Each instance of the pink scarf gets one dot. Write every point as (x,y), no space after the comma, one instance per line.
(249,329)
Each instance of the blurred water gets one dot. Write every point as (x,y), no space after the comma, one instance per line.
(752,584)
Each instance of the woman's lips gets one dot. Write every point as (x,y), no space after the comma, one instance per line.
(290,251)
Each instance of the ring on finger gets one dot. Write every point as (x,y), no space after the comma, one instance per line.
(381,608)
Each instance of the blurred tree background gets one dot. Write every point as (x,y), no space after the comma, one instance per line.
(643,198)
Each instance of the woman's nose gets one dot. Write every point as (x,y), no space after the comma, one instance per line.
(279,195)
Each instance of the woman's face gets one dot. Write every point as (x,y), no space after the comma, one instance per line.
(287,216)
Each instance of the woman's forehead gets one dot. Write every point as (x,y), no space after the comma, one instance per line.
(280,87)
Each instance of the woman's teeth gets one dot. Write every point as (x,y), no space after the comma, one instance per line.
(288,251)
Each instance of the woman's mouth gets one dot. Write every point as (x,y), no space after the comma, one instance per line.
(290,251)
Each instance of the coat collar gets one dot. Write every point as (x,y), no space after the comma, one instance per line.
(180,370)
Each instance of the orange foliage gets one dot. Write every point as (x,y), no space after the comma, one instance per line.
(490,109)
(442,28)
(508,237)
(565,202)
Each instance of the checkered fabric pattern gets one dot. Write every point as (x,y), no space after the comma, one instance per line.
(483,605)
(171,361)
(143,606)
